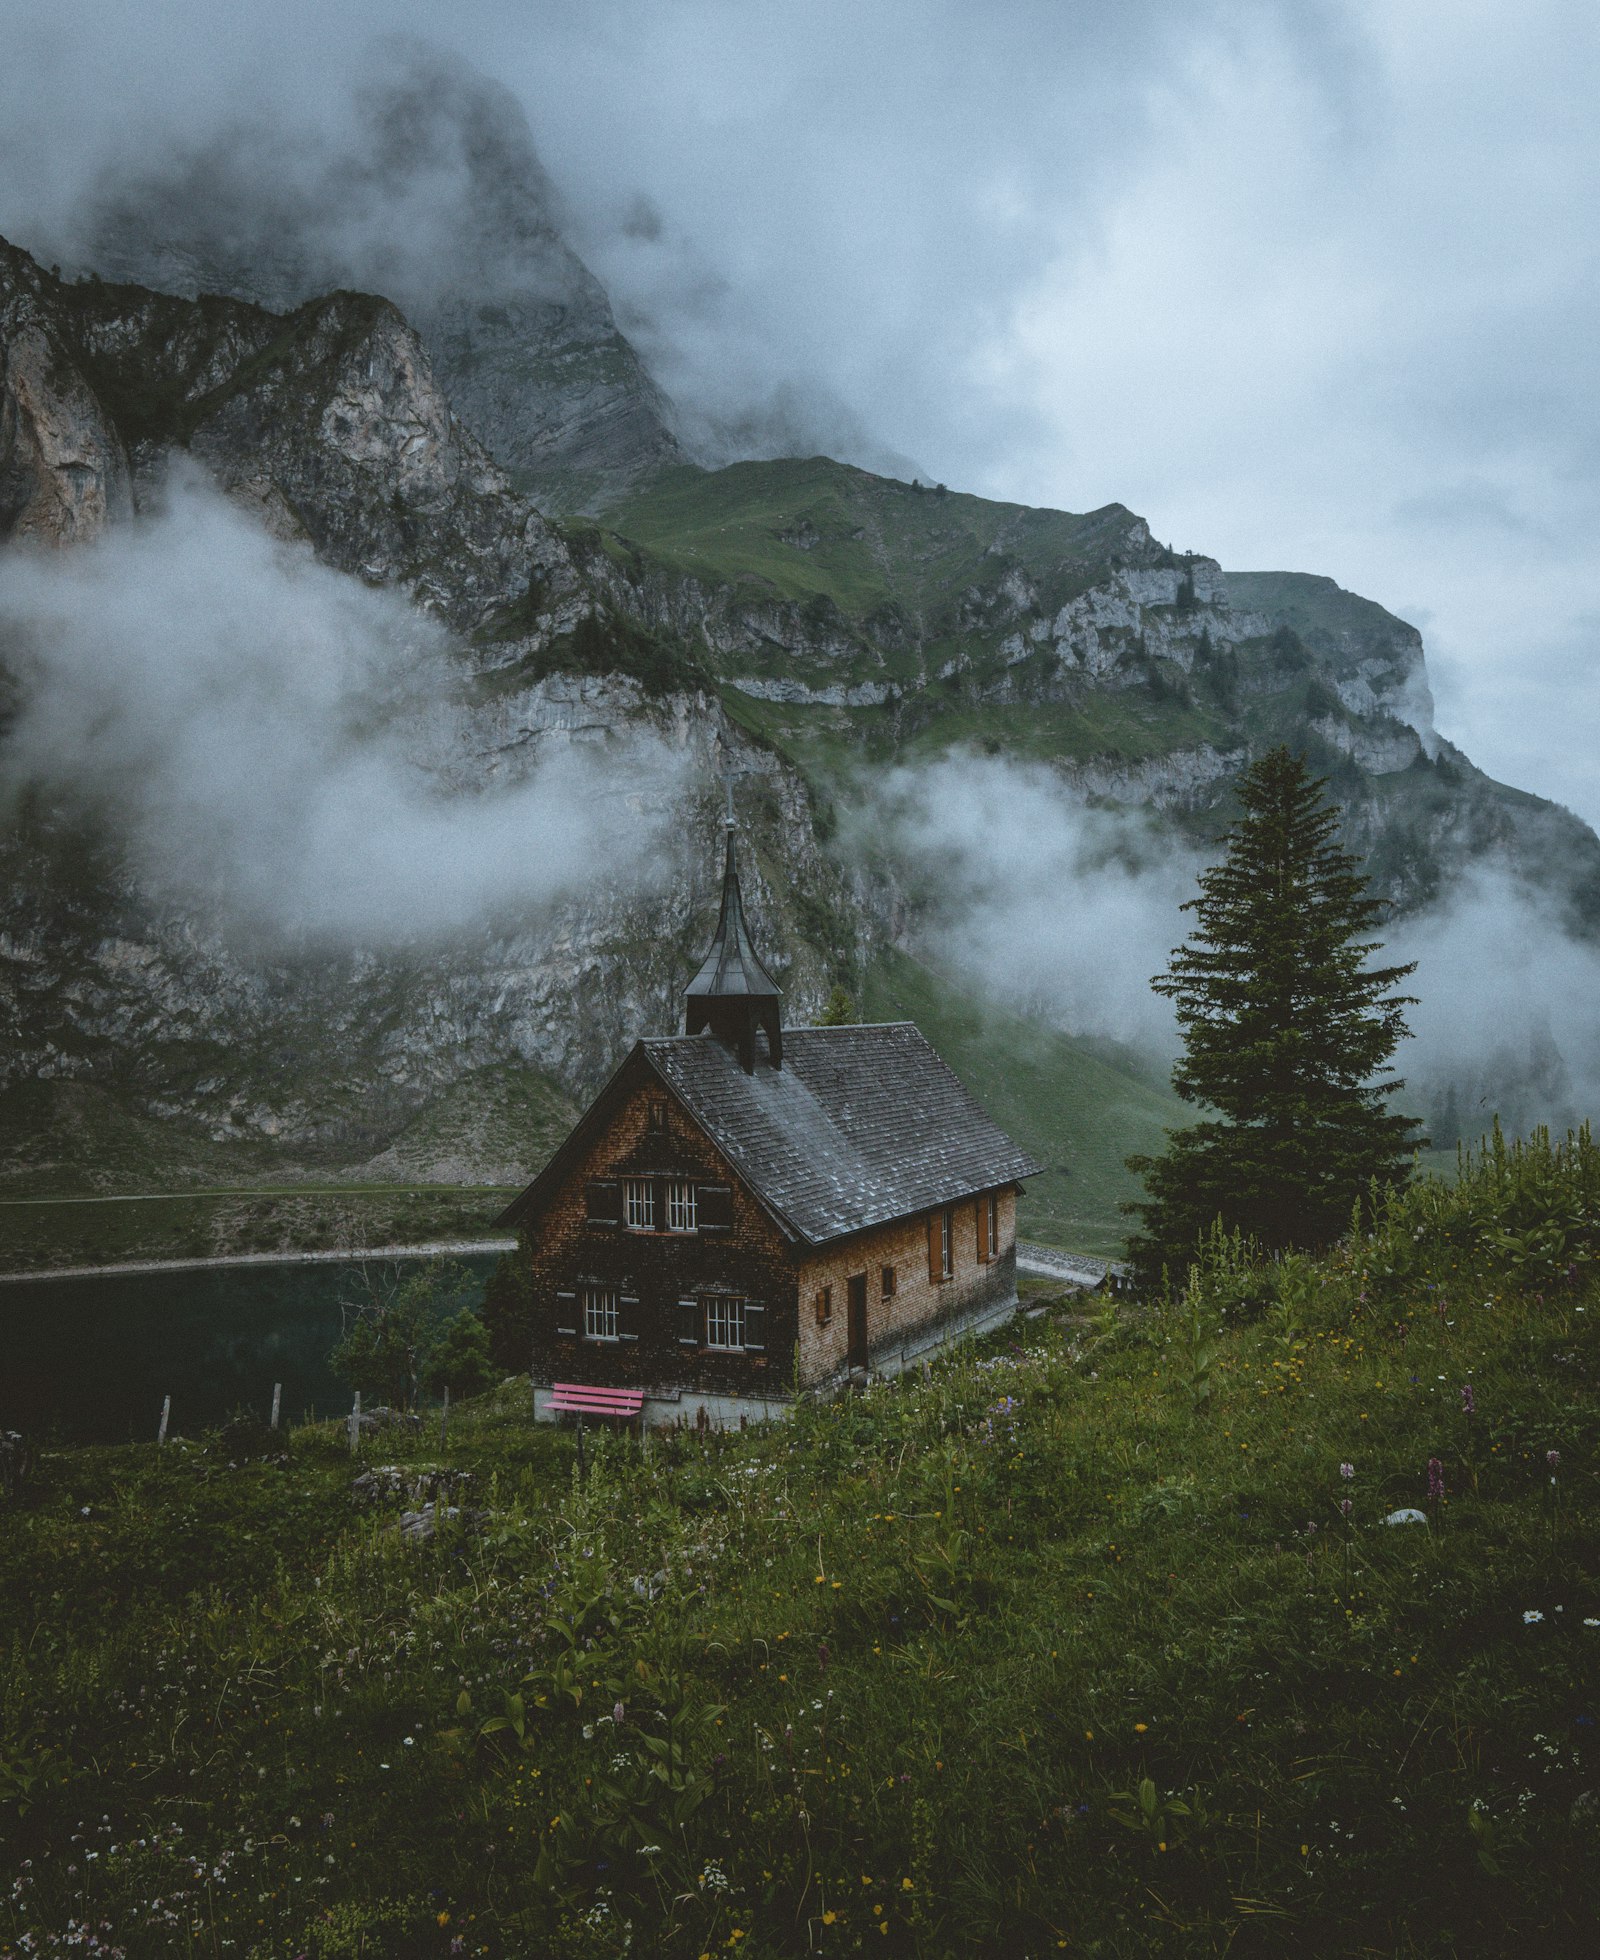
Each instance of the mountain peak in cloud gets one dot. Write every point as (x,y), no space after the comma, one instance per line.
(431,192)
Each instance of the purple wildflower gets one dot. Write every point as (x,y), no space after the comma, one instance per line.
(1346,1505)
(1552,1457)
(1468,1405)
(1435,1480)
(1347,1471)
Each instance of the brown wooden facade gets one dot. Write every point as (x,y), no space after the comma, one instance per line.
(654,1266)
(745,1213)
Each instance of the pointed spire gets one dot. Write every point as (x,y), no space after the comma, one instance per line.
(733,994)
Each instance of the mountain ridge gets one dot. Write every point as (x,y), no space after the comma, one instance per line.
(805,622)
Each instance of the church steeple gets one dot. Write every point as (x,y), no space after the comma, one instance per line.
(733,995)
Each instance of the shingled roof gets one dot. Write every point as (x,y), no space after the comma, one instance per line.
(860,1125)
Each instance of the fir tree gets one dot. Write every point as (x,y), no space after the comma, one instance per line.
(1286,1029)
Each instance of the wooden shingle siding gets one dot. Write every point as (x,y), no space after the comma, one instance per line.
(816,1149)
(919,1300)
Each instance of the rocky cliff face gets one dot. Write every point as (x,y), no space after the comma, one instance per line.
(327,421)
(329,427)
(64,471)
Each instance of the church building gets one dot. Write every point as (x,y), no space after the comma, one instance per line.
(748,1211)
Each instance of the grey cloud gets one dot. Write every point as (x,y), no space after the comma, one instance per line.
(1087,906)
(284,749)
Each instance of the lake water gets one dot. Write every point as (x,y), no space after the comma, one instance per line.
(89,1360)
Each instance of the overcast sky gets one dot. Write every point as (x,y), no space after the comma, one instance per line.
(1311,286)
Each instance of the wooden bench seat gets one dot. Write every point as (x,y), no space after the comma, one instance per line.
(579,1398)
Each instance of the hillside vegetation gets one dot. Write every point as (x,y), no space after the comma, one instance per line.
(1093,1640)
(1078,1109)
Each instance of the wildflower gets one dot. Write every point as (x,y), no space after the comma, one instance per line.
(1435,1479)
(1468,1406)
(1346,1506)
(1140,1728)
(829,1917)
(619,1714)
(1347,1471)
(1552,1457)
(1531,1616)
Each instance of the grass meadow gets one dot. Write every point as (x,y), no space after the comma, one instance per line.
(1091,1640)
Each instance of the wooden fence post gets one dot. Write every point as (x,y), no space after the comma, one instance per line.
(355,1423)
(166,1410)
(277,1394)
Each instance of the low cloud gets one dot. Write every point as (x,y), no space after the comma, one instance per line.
(1066,912)
(1056,909)
(288,751)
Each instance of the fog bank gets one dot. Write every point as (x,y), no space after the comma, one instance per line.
(283,747)
(1066,912)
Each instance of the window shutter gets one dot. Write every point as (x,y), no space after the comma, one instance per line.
(715,1207)
(755,1327)
(689,1321)
(605,1201)
(627,1316)
(985,1250)
(935,1247)
(566,1313)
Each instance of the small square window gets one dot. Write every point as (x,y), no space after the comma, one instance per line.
(888,1282)
(639,1204)
(601,1320)
(824,1305)
(724,1322)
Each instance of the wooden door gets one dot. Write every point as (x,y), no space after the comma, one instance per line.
(857,1355)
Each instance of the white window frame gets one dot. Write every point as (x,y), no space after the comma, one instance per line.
(947,1245)
(683,1208)
(993,1217)
(639,1204)
(724,1316)
(602,1313)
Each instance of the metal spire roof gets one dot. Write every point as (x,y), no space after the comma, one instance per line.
(731,967)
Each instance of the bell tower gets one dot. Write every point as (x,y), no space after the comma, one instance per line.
(733,995)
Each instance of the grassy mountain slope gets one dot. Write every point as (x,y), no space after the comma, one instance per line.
(817,529)
(1068,1647)
(1079,1109)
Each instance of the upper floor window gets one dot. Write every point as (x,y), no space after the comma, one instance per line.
(639,1204)
(601,1320)
(888,1282)
(824,1305)
(725,1322)
(992,1207)
(657,1114)
(681,1208)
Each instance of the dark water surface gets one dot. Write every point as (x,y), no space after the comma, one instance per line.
(88,1360)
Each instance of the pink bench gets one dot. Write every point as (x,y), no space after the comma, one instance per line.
(579,1399)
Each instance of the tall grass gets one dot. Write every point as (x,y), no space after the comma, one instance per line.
(1066,1646)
